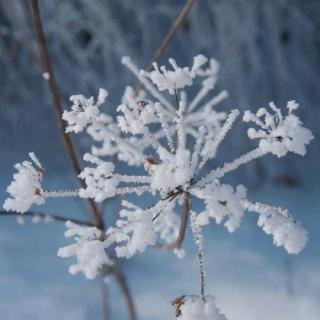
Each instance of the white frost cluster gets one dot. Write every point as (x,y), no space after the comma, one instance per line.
(278,134)
(137,229)
(89,250)
(83,111)
(26,187)
(175,79)
(139,110)
(100,182)
(197,308)
(223,203)
(277,222)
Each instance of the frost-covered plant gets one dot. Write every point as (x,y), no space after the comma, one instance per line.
(174,173)
(89,250)
(171,143)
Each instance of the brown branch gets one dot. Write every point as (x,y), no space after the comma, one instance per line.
(67,141)
(123,285)
(169,37)
(44,216)
(69,146)
(105,300)
(182,228)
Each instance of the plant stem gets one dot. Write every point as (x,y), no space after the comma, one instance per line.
(198,238)
(67,141)
(169,36)
(182,228)
(44,216)
(105,300)
(123,285)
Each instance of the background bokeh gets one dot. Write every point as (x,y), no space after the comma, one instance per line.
(268,50)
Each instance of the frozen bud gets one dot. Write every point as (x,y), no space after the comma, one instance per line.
(149,164)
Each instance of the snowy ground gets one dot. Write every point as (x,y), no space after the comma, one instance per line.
(250,278)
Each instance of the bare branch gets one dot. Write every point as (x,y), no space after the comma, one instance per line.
(105,300)
(182,228)
(47,68)
(169,37)
(123,285)
(45,216)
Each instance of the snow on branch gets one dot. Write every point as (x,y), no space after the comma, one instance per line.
(88,249)
(26,188)
(83,111)
(279,134)
(175,79)
(277,222)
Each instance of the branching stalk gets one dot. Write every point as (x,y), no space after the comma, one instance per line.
(182,228)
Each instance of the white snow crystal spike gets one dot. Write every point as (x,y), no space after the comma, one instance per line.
(165,126)
(35,159)
(102,96)
(292,105)
(211,150)
(198,62)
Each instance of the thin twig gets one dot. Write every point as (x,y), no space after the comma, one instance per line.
(105,300)
(169,37)
(182,228)
(45,216)
(123,285)
(67,141)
